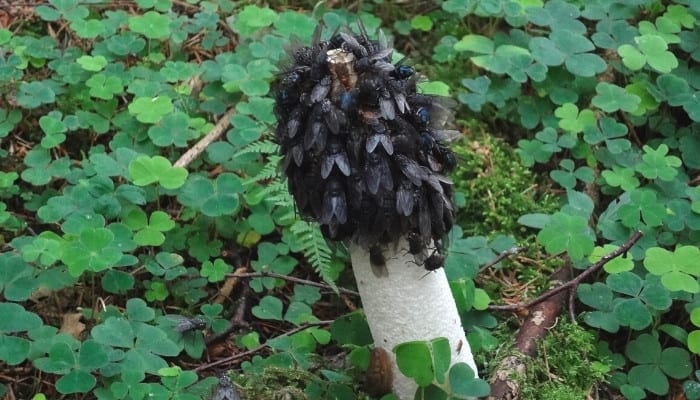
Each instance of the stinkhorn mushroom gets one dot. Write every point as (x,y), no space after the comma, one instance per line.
(365,156)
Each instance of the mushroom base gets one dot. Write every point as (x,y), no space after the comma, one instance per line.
(407,305)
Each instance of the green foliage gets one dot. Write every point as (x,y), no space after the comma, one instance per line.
(572,357)
(595,110)
(102,111)
(495,187)
(429,364)
(604,103)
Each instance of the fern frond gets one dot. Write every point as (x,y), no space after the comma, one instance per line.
(315,249)
(259,147)
(278,192)
(267,172)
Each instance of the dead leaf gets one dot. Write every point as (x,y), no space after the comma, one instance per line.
(71,324)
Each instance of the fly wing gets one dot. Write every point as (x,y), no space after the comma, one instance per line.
(401,103)
(341,160)
(383,41)
(387,144)
(445,135)
(294,122)
(424,225)
(327,165)
(354,45)
(340,208)
(404,198)
(383,54)
(385,175)
(386,106)
(410,169)
(372,142)
(334,117)
(432,179)
(298,154)
(315,134)
(320,91)
(373,177)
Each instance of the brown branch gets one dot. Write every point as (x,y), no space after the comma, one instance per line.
(541,318)
(500,257)
(572,284)
(200,146)
(293,279)
(236,321)
(237,357)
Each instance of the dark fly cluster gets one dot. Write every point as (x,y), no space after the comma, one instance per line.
(364,152)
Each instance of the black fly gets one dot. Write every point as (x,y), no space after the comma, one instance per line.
(225,389)
(335,210)
(379,135)
(377,261)
(316,129)
(184,324)
(433,263)
(404,198)
(416,246)
(377,172)
(335,118)
(335,155)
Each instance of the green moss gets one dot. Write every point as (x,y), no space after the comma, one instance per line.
(497,188)
(565,367)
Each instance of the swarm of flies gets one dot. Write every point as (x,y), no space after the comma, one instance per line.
(365,153)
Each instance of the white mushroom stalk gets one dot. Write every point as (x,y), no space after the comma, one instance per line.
(408,305)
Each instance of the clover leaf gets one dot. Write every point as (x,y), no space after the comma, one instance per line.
(8,120)
(678,269)
(642,206)
(609,130)
(571,120)
(569,48)
(611,98)
(663,27)
(149,233)
(215,271)
(92,63)
(34,94)
(174,129)
(93,250)
(655,364)
(618,264)
(568,233)
(145,170)
(621,177)
(656,164)
(475,43)
(17,280)
(104,87)
(269,307)
(679,15)
(151,24)
(651,50)
(252,18)
(150,110)
(17,319)
(213,197)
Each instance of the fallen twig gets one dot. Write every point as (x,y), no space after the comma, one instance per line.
(200,146)
(500,257)
(572,284)
(291,279)
(541,318)
(236,357)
